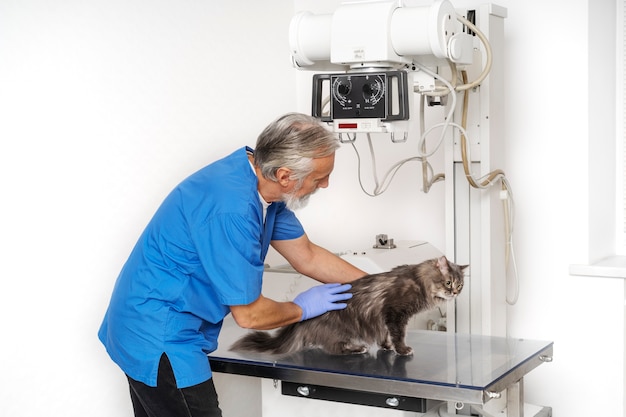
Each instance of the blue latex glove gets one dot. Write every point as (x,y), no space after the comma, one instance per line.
(322,298)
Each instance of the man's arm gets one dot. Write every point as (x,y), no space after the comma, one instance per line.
(316,262)
(266,314)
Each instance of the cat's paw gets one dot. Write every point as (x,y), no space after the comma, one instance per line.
(386,346)
(404,350)
(350,348)
(358,350)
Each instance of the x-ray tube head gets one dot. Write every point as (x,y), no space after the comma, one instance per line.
(365,35)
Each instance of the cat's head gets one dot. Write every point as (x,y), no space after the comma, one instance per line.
(449,281)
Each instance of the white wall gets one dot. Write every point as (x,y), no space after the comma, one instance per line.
(105,105)
(560,126)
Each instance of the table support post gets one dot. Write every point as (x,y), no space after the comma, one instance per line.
(515,399)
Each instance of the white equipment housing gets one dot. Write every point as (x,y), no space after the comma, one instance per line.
(363,38)
(365,35)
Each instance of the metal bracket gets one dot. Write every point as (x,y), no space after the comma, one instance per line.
(383,242)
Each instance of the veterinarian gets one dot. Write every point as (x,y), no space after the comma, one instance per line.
(201,257)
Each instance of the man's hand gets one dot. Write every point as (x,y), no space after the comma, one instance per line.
(322,298)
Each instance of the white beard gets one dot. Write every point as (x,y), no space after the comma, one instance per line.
(295,203)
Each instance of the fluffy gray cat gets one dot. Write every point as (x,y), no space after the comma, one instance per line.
(378,312)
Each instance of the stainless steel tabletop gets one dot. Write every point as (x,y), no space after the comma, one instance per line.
(444,366)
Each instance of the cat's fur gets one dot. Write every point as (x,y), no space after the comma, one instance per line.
(378,312)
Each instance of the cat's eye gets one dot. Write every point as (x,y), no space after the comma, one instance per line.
(458,287)
(449,284)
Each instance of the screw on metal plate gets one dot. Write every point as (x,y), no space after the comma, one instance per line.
(545,358)
(392,402)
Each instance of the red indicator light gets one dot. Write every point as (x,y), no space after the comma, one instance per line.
(348,125)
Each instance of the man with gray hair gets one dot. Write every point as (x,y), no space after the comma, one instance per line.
(201,257)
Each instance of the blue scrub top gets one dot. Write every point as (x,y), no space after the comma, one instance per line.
(202,252)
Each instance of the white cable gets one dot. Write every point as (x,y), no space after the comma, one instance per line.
(391,173)
(373,156)
(358,168)
(509,212)
(515,298)
(387,179)
(488,53)
(422,142)
(441,91)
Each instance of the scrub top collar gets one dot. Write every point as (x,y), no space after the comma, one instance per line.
(264,203)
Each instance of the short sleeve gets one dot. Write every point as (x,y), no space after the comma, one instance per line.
(229,249)
(286,224)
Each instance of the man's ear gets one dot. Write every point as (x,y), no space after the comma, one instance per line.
(283,175)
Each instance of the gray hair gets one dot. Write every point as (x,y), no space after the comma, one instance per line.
(293,141)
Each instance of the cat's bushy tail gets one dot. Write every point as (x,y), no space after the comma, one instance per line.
(258,341)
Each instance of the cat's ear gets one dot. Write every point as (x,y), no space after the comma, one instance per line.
(442,264)
(463,267)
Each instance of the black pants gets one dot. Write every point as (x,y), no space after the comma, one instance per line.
(166,400)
